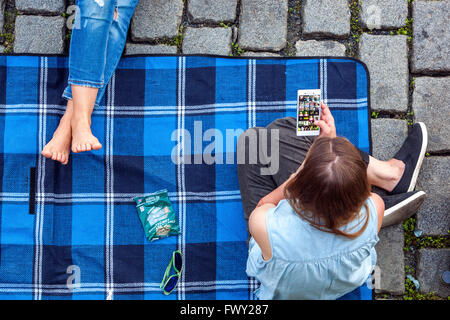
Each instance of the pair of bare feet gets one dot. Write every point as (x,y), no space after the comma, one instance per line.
(73,133)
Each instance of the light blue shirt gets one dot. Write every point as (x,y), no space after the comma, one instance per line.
(308,263)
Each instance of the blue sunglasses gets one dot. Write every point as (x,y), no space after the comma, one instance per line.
(169,282)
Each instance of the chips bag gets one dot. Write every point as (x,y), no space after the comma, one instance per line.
(157,215)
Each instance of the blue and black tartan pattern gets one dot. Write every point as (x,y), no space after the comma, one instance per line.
(72,232)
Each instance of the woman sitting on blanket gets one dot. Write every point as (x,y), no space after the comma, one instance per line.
(314,223)
(96,45)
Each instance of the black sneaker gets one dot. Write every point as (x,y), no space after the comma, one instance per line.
(412,153)
(399,207)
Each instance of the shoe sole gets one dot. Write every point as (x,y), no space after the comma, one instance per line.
(403,210)
(412,184)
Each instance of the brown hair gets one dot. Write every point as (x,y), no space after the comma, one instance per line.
(332,186)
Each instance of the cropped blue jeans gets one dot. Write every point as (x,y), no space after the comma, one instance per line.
(98,38)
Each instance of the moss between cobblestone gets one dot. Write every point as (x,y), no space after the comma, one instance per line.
(294,27)
(412,80)
(177,41)
(179,38)
(224,25)
(8,26)
(355,8)
(413,242)
(406,30)
(355,28)
(412,293)
(236,50)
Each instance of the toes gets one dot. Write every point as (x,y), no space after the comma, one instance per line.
(54,154)
(46,153)
(58,156)
(88,145)
(65,159)
(96,145)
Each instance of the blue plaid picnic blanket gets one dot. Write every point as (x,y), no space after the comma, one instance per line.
(72,232)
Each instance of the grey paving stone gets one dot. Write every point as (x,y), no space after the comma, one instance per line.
(326,17)
(319,48)
(37,34)
(431,36)
(431,264)
(137,48)
(207,41)
(388,136)
(40,6)
(380,14)
(260,54)
(433,215)
(2,49)
(2,8)
(155,19)
(263,25)
(390,261)
(211,10)
(431,105)
(387,59)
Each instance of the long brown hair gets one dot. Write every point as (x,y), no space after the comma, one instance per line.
(332,186)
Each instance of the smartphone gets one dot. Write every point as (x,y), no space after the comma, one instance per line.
(308,111)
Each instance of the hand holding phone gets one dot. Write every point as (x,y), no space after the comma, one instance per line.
(326,123)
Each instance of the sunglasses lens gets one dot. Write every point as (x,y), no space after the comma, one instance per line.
(171,283)
(178,261)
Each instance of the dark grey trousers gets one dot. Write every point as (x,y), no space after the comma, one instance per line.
(292,151)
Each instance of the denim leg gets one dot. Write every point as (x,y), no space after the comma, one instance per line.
(89,42)
(116,38)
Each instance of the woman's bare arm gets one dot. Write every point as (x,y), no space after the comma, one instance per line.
(258,229)
(379,205)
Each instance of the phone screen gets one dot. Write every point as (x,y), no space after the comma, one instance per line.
(308,111)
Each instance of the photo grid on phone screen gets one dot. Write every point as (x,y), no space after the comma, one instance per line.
(308,112)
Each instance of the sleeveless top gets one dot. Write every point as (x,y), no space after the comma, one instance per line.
(308,263)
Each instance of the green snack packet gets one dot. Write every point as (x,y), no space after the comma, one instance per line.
(157,215)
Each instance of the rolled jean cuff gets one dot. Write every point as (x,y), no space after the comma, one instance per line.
(68,96)
(86,83)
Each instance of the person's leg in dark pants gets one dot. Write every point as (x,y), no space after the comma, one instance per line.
(291,152)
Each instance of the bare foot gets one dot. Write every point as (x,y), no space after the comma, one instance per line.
(82,137)
(398,168)
(58,148)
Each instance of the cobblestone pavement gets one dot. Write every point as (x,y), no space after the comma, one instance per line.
(405,45)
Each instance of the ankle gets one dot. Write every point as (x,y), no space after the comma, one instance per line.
(397,167)
(391,175)
(65,119)
(78,119)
